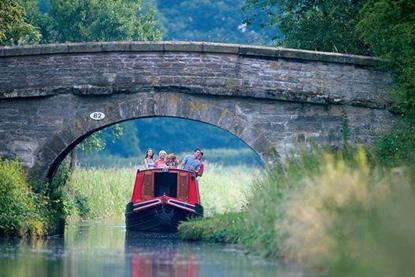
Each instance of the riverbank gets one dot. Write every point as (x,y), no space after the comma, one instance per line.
(336,212)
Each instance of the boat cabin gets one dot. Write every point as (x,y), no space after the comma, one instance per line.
(162,197)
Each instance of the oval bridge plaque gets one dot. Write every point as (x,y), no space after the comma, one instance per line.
(97,116)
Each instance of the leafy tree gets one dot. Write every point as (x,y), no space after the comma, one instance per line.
(13,27)
(323,25)
(93,20)
(388,26)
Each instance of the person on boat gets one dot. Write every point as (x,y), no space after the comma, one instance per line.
(161,161)
(192,163)
(148,160)
(171,161)
(202,166)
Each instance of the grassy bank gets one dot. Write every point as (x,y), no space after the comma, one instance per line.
(103,193)
(335,212)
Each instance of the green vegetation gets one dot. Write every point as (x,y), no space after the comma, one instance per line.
(22,212)
(47,21)
(222,228)
(264,205)
(225,189)
(388,26)
(14,29)
(315,25)
(99,193)
(103,193)
(331,211)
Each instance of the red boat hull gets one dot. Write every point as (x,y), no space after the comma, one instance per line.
(161,200)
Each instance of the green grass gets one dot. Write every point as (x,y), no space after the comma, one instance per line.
(223,228)
(102,193)
(226,188)
(99,193)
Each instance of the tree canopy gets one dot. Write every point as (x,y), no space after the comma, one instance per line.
(85,20)
(13,27)
(388,26)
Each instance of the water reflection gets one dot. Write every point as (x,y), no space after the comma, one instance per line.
(106,249)
(152,254)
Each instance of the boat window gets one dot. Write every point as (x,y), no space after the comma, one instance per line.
(165,183)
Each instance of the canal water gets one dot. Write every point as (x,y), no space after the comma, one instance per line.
(106,249)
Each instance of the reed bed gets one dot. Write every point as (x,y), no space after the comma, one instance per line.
(103,193)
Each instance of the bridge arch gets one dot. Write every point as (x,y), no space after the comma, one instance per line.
(228,118)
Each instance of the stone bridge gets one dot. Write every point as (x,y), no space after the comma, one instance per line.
(271,98)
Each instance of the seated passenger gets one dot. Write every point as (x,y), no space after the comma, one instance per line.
(171,161)
(148,160)
(202,166)
(161,161)
(191,162)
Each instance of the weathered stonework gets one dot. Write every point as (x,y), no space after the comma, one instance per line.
(272,98)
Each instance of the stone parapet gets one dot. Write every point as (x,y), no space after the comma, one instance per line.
(105,68)
(200,47)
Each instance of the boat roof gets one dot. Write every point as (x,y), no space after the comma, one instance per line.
(173,170)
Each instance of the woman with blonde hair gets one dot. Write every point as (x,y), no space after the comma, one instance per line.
(161,161)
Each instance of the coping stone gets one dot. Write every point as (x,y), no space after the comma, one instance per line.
(179,46)
(183,46)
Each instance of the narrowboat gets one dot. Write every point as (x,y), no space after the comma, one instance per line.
(161,199)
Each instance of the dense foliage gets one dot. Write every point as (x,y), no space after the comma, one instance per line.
(21,210)
(14,29)
(316,25)
(388,26)
(92,20)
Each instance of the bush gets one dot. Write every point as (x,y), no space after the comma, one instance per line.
(353,221)
(20,209)
(334,211)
